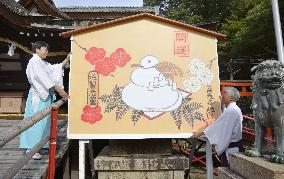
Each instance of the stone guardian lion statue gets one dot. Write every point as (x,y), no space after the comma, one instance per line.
(268,107)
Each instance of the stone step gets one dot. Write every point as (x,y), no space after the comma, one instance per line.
(226,173)
(255,167)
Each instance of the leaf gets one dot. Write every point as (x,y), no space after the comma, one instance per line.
(114,102)
(135,116)
(187,113)
(177,116)
(122,108)
(198,116)
(116,92)
(107,109)
(190,121)
(104,98)
(191,114)
(195,105)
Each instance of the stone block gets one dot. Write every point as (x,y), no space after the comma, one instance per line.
(226,173)
(142,175)
(140,146)
(254,167)
(149,162)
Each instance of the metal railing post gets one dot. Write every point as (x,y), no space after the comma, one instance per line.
(52,145)
(209,161)
(277,29)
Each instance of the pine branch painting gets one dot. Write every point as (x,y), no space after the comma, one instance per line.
(115,103)
(135,116)
(188,111)
(122,108)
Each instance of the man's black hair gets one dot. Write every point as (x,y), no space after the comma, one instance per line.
(38,45)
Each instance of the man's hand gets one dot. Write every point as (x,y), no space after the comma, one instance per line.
(197,134)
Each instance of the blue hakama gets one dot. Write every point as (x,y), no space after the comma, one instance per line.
(36,133)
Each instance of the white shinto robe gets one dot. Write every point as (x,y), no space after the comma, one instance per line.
(226,129)
(42,76)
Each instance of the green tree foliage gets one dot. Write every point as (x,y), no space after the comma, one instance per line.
(191,11)
(250,34)
(248,24)
(249,30)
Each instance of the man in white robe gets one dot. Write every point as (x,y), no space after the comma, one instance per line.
(226,132)
(45,79)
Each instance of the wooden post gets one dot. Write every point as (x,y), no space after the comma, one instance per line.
(91,156)
(82,151)
(52,145)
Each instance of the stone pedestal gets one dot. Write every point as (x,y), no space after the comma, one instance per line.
(145,146)
(124,161)
(242,166)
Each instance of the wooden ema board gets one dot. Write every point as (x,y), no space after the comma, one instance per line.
(142,79)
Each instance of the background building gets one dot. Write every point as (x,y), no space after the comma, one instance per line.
(27,21)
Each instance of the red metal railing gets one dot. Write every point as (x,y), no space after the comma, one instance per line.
(251,132)
(244,84)
(52,144)
(186,152)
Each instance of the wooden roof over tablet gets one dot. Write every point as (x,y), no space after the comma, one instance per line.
(141,16)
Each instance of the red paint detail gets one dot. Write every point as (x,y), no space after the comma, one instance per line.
(181,46)
(151,118)
(181,36)
(95,54)
(105,66)
(52,145)
(120,57)
(182,50)
(185,92)
(91,114)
